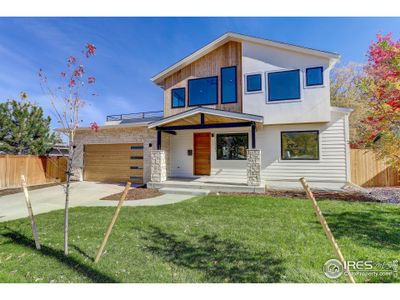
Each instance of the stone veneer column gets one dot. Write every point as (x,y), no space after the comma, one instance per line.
(158,166)
(253,167)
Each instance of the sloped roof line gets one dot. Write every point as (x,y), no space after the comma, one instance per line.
(231,36)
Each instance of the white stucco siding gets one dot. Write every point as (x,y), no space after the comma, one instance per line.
(327,172)
(314,105)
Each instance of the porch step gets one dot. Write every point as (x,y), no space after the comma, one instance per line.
(206,186)
(184,191)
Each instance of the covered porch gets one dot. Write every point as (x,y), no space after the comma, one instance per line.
(207,147)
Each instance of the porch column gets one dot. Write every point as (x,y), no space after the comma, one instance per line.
(253,167)
(158,166)
(158,139)
(253,135)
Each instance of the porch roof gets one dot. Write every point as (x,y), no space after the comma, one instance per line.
(211,116)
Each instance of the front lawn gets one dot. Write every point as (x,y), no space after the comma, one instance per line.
(205,239)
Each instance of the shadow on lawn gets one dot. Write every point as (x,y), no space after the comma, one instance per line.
(219,260)
(68,261)
(371,228)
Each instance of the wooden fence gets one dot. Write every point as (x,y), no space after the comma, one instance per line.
(37,170)
(368,171)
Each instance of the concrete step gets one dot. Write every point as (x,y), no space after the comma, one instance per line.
(184,191)
(209,187)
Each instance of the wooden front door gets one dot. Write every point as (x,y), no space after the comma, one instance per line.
(202,153)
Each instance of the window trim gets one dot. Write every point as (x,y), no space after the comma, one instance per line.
(245,83)
(314,85)
(289,100)
(184,96)
(188,88)
(236,88)
(301,159)
(230,133)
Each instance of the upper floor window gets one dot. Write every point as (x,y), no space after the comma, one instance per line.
(178,97)
(314,76)
(228,85)
(284,85)
(253,83)
(300,145)
(203,91)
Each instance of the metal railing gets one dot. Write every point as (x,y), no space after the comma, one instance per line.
(137,116)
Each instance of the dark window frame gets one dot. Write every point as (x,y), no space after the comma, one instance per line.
(184,97)
(229,134)
(236,89)
(322,76)
(200,78)
(286,99)
(301,131)
(261,84)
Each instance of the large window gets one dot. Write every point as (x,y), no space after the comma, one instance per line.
(253,83)
(203,91)
(228,85)
(232,146)
(300,145)
(314,76)
(284,85)
(178,97)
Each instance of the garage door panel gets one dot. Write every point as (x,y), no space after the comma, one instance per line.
(114,162)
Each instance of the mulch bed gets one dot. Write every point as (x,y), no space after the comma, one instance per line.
(319,195)
(135,194)
(5,192)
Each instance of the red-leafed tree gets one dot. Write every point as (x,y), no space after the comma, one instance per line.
(380,130)
(67,95)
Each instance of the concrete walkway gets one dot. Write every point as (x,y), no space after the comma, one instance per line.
(82,194)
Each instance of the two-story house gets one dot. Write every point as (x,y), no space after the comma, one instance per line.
(239,112)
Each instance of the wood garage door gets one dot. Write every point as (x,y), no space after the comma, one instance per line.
(113,162)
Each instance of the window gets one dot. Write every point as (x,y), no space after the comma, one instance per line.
(178,97)
(253,83)
(203,91)
(232,146)
(314,76)
(228,85)
(284,85)
(300,145)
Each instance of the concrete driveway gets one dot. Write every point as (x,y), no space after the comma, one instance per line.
(82,194)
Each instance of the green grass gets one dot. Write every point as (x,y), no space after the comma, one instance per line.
(206,239)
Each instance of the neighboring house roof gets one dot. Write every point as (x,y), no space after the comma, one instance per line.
(231,36)
(209,111)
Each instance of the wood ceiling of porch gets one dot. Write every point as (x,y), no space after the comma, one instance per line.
(208,119)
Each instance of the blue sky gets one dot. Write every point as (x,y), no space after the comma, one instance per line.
(131,50)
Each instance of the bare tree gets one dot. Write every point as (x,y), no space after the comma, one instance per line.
(346,92)
(67,99)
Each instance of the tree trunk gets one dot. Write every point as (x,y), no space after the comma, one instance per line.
(67,192)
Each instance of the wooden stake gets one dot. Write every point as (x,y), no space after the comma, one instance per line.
(108,232)
(327,230)
(30,212)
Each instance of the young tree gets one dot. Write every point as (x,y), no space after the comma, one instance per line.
(346,92)
(380,130)
(24,129)
(67,100)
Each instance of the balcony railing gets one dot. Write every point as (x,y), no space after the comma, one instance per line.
(137,116)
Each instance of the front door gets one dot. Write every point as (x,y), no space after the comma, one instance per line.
(202,153)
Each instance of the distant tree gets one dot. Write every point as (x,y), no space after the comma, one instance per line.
(346,91)
(24,129)
(380,130)
(67,99)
